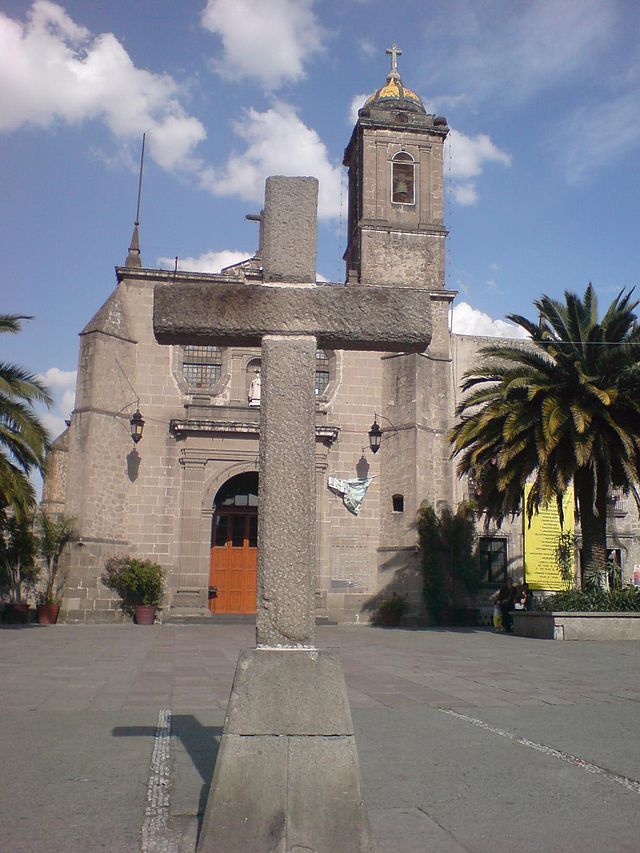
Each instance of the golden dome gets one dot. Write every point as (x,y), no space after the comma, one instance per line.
(393,95)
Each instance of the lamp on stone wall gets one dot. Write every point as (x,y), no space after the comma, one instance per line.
(376,434)
(136,423)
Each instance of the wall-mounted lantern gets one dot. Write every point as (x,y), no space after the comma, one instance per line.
(137,426)
(375,435)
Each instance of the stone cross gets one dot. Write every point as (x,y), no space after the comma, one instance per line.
(394,52)
(289,316)
(287,775)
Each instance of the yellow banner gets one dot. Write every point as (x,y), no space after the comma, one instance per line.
(541,542)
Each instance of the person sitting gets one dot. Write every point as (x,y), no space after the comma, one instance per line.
(525,597)
(505,599)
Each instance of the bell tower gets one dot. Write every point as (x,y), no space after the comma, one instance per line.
(396,238)
(395,162)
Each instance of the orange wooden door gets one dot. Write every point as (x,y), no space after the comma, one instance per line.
(234,554)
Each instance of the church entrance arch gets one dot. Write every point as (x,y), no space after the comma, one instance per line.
(234,545)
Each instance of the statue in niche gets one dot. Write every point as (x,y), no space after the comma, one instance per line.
(254,390)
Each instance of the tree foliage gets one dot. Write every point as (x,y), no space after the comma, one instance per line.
(23,438)
(53,534)
(585,601)
(450,567)
(564,556)
(19,572)
(563,408)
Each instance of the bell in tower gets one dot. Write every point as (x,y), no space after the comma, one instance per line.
(396,227)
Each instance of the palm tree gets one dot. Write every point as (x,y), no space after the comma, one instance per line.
(563,408)
(54,533)
(23,438)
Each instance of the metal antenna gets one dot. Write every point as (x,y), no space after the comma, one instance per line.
(137,222)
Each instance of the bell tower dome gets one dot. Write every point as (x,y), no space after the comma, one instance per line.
(396,227)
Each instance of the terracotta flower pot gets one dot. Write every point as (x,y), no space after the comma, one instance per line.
(145,614)
(48,614)
(18,612)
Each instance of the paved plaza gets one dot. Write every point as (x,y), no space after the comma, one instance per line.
(468,740)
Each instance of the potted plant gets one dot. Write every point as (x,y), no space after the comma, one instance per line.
(391,610)
(139,583)
(53,534)
(19,571)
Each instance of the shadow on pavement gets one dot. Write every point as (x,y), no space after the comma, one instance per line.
(199,742)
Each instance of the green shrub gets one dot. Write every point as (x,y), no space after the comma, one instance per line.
(389,611)
(397,604)
(450,566)
(19,572)
(136,581)
(588,601)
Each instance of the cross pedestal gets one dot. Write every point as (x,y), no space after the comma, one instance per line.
(287,776)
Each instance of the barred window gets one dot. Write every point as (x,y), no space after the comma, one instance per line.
(322,371)
(493,559)
(201,366)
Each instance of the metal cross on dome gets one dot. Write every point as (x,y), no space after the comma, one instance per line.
(394,52)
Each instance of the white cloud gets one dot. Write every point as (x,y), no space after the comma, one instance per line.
(52,70)
(278,143)
(62,387)
(518,55)
(464,193)
(356,102)
(470,321)
(467,157)
(54,424)
(470,153)
(56,378)
(265,41)
(367,47)
(208,262)
(582,149)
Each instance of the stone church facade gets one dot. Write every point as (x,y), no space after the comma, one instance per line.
(186,494)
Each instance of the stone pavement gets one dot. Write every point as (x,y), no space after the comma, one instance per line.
(468,740)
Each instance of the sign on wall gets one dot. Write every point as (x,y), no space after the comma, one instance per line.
(541,542)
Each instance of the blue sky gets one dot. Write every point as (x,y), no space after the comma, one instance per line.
(542,166)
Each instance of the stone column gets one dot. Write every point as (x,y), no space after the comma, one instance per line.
(191,578)
(287,534)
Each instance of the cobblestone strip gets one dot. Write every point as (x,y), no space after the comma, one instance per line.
(629,784)
(156,813)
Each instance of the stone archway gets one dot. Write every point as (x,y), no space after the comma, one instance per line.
(234,545)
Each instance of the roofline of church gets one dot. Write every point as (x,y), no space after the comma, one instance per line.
(149,274)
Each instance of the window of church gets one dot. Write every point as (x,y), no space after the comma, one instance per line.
(241,490)
(322,371)
(201,366)
(403,179)
(397,502)
(492,552)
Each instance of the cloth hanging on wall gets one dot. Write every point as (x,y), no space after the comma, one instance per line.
(352,491)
